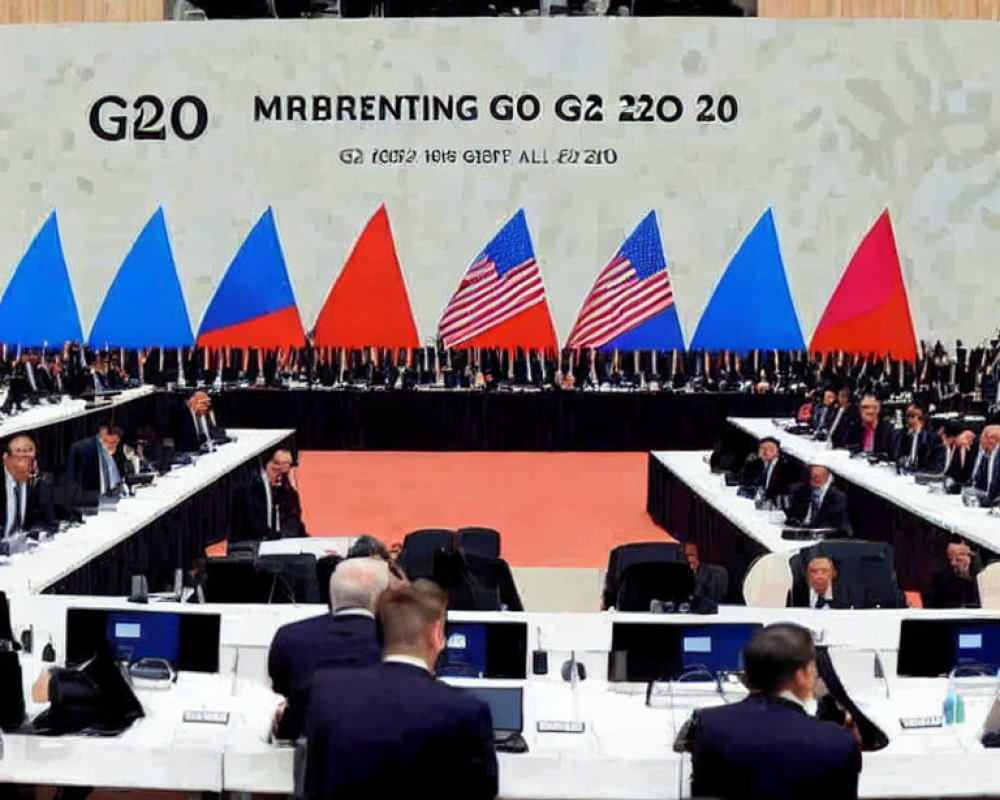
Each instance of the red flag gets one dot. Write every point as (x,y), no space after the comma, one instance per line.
(869,311)
(368,304)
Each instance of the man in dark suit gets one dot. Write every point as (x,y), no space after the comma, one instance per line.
(392,730)
(26,499)
(268,507)
(873,434)
(955,586)
(768,746)
(846,420)
(985,478)
(191,425)
(710,580)
(817,503)
(823,413)
(960,451)
(347,637)
(917,446)
(97,464)
(770,470)
(819,589)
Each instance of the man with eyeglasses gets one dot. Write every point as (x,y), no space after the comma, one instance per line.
(25,502)
(917,447)
(985,471)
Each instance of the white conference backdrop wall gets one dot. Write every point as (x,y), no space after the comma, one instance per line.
(836,120)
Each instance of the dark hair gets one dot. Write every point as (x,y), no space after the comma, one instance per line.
(774,654)
(110,430)
(770,439)
(407,611)
(368,547)
(14,438)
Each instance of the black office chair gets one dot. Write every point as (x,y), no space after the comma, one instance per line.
(641,584)
(293,577)
(475,583)
(625,555)
(235,580)
(324,571)
(478,541)
(866,572)
(416,557)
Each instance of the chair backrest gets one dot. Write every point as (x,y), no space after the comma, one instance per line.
(475,583)
(866,572)
(478,541)
(235,580)
(768,581)
(988,580)
(294,577)
(416,557)
(644,582)
(325,566)
(625,555)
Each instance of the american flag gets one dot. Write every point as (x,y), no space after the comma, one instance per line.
(501,282)
(633,288)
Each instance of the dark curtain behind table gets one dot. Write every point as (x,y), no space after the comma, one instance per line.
(53,441)
(467,420)
(689,518)
(172,541)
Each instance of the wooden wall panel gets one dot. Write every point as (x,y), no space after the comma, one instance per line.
(33,11)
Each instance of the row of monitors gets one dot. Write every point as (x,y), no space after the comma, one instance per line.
(645,651)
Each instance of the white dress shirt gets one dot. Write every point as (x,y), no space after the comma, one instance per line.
(413,661)
(13,488)
(814,595)
(201,426)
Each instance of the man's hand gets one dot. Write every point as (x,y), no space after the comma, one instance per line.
(279,712)
(40,688)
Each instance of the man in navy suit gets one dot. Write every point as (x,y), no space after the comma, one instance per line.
(347,637)
(393,731)
(817,503)
(97,464)
(769,747)
(917,446)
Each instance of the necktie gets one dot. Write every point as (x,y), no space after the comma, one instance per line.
(913,446)
(19,513)
(814,507)
(768,474)
(105,472)
(821,601)
(869,443)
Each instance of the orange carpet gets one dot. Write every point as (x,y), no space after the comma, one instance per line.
(553,509)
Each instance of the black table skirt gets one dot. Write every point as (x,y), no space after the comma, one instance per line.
(690,518)
(172,541)
(465,420)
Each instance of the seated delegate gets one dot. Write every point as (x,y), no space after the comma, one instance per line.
(917,447)
(268,507)
(97,464)
(817,503)
(955,586)
(193,425)
(985,478)
(846,420)
(820,589)
(26,500)
(770,471)
(873,435)
(961,448)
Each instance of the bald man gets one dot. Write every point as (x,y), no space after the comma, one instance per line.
(986,472)
(191,425)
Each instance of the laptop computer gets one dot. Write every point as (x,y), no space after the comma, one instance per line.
(507,709)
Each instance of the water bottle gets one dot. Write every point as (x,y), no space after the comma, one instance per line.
(954,707)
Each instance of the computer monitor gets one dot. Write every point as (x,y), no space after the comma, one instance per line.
(190,642)
(484,650)
(506,706)
(934,647)
(136,636)
(652,651)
